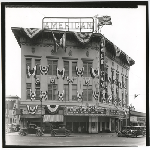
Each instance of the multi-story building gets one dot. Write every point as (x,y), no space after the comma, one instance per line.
(83,83)
(11,109)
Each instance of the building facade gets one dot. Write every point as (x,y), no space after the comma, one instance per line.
(77,79)
(11,109)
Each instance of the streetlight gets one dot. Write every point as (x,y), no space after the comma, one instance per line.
(41,112)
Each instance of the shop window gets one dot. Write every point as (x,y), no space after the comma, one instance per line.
(66,92)
(66,66)
(87,67)
(28,87)
(28,63)
(37,91)
(74,92)
(74,64)
(37,63)
(52,67)
(87,93)
(52,92)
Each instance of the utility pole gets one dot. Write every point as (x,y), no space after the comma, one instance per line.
(41,114)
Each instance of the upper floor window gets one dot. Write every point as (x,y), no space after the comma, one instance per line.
(74,64)
(28,87)
(52,67)
(37,91)
(66,92)
(66,66)
(52,92)
(87,93)
(87,67)
(74,92)
(37,63)
(28,63)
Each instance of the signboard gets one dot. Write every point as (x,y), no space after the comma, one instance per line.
(75,24)
(133,118)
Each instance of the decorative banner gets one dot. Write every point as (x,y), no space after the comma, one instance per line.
(83,37)
(87,81)
(61,73)
(94,73)
(31,72)
(31,32)
(96,95)
(114,112)
(56,45)
(32,110)
(32,95)
(60,95)
(79,96)
(44,69)
(43,95)
(115,101)
(52,80)
(37,81)
(63,41)
(79,71)
(119,103)
(109,79)
(70,80)
(109,98)
(52,109)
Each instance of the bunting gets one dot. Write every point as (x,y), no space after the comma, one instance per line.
(79,71)
(31,32)
(94,73)
(96,95)
(56,44)
(52,80)
(61,73)
(109,98)
(60,95)
(31,72)
(43,95)
(32,110)
(79,96)
(69,80)
(32,95)
(44,69)
(87,81)
(37,81)
(52,109)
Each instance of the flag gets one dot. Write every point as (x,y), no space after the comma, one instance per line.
(56,45)
(100,21)
(136,95)
(104,20)
(63,41)
(118,51)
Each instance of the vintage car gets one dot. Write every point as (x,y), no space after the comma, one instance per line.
(32,129)
(60,130)
(132,131)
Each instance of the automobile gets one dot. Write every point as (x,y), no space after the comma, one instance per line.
(15,127)
(132,131)
(32,129)
(60,130)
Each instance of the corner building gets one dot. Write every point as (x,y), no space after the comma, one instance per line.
(82,84)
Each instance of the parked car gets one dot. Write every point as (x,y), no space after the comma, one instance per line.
(60,130)
(132,131)
(32,129)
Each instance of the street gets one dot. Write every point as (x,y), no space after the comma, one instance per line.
(75,140)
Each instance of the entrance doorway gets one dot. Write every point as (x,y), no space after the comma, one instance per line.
(83,127)
(103,126)
(98,126)
(75,127)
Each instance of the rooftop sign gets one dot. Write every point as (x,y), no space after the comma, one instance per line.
(76,24)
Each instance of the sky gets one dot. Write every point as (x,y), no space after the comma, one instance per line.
(128,32)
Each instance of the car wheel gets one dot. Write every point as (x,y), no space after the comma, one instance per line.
(67,134)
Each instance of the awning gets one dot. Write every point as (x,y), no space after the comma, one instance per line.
(30,116)
(53,118)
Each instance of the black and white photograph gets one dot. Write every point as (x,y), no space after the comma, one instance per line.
(75,77)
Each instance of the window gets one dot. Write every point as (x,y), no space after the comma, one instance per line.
(66,66)
(37,63)
(112,76)
(126,81)
(107,125)
(87,93)
(52,67)
(28,63)
(28,87)
(52,92)
(37,91)
(87,66)
(66,92)
(74,64)
(74,92)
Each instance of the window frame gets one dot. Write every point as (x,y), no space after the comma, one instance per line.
(38,66)
(53,92)
(74,85)
(28,88)
(52,70)
(87,93)
(88,74)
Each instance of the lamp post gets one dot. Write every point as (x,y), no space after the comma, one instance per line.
(41,113)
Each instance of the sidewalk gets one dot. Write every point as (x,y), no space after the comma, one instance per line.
(73,134)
